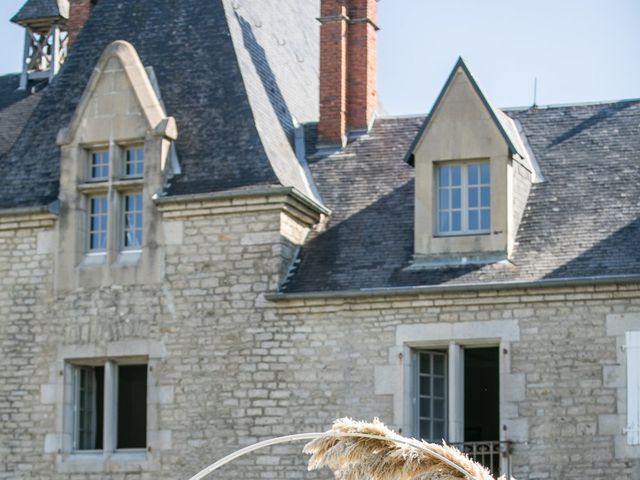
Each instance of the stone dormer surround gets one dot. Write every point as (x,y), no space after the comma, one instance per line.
(119,107)
(463,128)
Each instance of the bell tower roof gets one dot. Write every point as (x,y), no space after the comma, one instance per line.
(41,13)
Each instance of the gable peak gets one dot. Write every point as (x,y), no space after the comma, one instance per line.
(501,120)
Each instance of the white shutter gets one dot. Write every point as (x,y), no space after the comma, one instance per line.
(633,388)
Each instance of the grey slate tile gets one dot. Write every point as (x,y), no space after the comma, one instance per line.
(189,45)
(583,221)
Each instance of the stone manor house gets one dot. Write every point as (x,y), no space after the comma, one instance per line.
(210,237)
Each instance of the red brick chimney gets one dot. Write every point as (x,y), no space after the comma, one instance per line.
(348,65)
(79,13)
(363,64)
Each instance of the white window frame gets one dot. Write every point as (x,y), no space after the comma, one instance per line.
(125,160)
(464,199)
(418,374)
(124,229)
(90,231)
(115,187)
(92,154)
(454,389)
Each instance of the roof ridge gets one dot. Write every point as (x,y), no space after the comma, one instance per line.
(565,105)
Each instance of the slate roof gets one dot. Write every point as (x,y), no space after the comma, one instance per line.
(582,221)
(239,75)
(16,107)
(36,9)
(218,65)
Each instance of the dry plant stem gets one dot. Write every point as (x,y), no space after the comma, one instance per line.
(330,434)
(379,453)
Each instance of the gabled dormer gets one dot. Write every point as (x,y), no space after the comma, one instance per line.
(473,174)
(116,155)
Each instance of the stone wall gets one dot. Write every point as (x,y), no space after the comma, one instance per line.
(231,367)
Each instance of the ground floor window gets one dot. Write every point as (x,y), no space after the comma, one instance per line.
(432,409)
(110,406)
(458,394)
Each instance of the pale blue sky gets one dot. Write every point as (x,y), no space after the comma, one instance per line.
(580,50)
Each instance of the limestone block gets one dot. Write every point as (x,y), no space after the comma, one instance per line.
(611,424)
(48,394)
(388,380)
(513,387)
(51,443)
(517,429)
(45,242)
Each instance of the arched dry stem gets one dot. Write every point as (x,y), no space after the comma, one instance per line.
(389,456)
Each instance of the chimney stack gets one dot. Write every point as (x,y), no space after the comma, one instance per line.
(348,68)
(79,13)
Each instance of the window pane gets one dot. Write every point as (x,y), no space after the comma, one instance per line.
(132,406)
(438,387)
(485,219)
(432,395)
(456,176)
(485,174)
(133,221)
(425,407)
(473,220)
(425,385)
(134,162)
(456,221)
(456,198)
(444,176)
(98,211)
(425,364)
(444,199)
(485,196)
(438,409)
(443,223)
(89,409)
(99,165)
(425,429)
(473,197)
(438,365)
(473,174)
(438,431)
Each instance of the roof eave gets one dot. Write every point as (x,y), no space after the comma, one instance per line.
(470,287)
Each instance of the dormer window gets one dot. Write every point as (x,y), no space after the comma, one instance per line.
(98,218)
(125,217)
(464,198)
(133,221)
(473,176)
(134,162)
(99,168)
(115,155)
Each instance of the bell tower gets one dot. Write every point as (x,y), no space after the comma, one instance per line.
(46,38)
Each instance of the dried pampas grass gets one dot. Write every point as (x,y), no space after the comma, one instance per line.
(371,451)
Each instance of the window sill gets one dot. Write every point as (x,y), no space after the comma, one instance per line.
(97,259)
(133,183)
(93,187)
(129,257)
(100,462)
(433,262)
(465,234)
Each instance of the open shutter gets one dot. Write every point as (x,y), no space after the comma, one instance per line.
(633,388)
